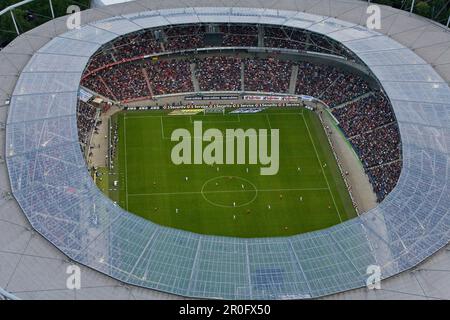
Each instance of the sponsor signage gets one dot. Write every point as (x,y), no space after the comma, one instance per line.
(214,97)
(271,98)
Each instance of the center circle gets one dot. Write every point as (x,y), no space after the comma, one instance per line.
(240,190)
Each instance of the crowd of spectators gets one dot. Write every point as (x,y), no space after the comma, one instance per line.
(126,81)
(126,47)
(135,45)
(303,40)
(328,83)
(379,146)
(97,85)
(370,125)
(141,79)
(184,42)
(283,43)
(379,150)
(85,122)
(267,75)
(222,73)
(99,60)
(239,36)
(169,76)
(183,37)
(175,38)
(347,87)
(324,76)
(384,178)
(364,114)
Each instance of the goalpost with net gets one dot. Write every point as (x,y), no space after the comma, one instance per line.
(214,109)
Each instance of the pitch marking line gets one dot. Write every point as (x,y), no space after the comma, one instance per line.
(229,206)
(162,128)
(321,167)
(268,121)
(223,191)
(126,160)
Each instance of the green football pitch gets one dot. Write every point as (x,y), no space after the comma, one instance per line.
(307,194)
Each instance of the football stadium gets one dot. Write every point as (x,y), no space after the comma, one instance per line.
(198,150)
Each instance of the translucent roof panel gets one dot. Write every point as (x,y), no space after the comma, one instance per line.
(353,33)
(421,73)
(375,43)
(50,181)
(57,63)
(117,25)
(437,115)
(182,18)
(148,20)
(90,33)
(54,105)
(47,82)
(329,25)
(69,47)
(213,11)
(422,91)
(391,57)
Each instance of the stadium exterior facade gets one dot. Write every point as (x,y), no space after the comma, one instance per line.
(41,72)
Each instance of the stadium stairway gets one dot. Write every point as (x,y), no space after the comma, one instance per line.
(147,81)
(365,95)
(260,36)
(242,76)
(293,81)
(194,78)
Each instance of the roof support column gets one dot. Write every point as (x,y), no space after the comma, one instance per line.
(14,22)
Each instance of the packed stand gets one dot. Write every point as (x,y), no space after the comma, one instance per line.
(365,114)
(95,84)
(377,150)
(378,146)
(302,40)
(126,81)
(384,178)
(151,41)
(136,45)
(182,38)
(370,125)
(314,79)
(267,75)
(85,121)
(169,76)
(239,36)
(219,73)
(275,37)
(100,60)
(346,88)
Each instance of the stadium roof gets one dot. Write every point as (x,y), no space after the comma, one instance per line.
(49,180)
(101,3)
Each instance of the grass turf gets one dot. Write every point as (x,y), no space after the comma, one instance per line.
(304,196)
